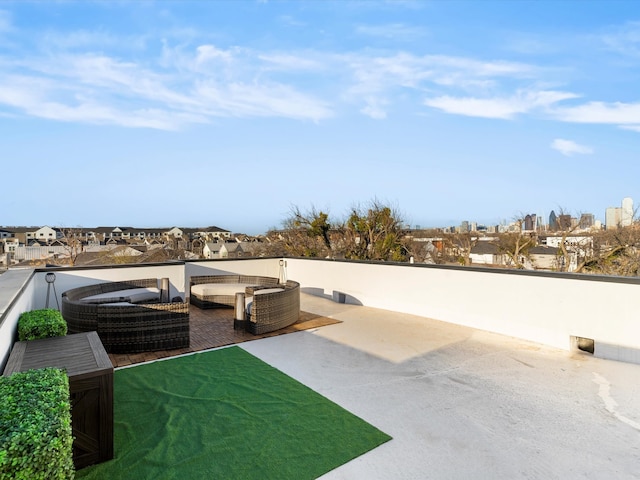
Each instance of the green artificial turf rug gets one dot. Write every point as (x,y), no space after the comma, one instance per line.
(226,414)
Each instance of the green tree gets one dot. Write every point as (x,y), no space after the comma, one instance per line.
(304,234)
(374,232)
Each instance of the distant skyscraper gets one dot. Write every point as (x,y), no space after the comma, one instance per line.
(564,222)
(530,222)
(612,217)
(464,226)
(553,221)
(626,218)
(587,220)
(620,216)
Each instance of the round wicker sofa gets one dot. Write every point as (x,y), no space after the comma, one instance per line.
(269,305)
(123,324)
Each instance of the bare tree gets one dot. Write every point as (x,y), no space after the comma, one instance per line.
(615,252)
(421,251)
(565,257)
(515,245)
(462,243)
(72,243)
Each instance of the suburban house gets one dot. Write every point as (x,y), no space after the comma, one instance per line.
(211,250)
(486,253)
(544,257)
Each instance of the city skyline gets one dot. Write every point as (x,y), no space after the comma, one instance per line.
(541,220)
(230,113)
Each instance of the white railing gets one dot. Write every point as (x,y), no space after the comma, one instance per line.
(552,309)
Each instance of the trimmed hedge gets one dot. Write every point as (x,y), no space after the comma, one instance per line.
(43,323)
(36,441)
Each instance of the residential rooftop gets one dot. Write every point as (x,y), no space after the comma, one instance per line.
(473,372)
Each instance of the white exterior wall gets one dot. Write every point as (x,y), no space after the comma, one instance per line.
(45,233)
(17,293)
(544,261)
(176,232)
(38,253)
(481,258)
(493,300)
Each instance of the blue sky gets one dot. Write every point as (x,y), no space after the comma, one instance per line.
(228,113)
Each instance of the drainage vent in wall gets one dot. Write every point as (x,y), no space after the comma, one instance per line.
(583,344)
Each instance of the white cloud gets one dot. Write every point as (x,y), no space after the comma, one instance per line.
(95,88)
(569,147)
(290,62)
(395,31)
(600,112)
(36,98)
(248,100)
(407,70)
(624,39)
(633,128)
(90,39)
(501,108)
(207,53)
(479,68)
(381,76)
(374,108)
(198,81)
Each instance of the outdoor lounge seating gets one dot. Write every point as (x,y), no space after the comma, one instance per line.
(269,305)
(213,291)
(128,316)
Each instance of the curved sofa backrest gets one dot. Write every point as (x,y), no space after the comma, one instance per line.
(244,279)
(274,310)
(76,294)
(126,328)
(83,317)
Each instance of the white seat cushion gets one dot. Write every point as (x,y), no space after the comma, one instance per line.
(147,295)
(207,289)
(268,290)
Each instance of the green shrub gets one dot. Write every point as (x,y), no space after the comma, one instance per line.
(43,323)
(35,426)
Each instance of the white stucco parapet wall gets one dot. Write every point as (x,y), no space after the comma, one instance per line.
(547,308)
(16,297)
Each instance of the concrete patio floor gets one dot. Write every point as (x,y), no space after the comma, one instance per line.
(462,403)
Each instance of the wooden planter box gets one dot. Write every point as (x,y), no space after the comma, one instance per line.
(90,375)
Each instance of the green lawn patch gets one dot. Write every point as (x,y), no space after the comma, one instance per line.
(226,414)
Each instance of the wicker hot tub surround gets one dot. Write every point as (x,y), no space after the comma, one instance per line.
(127,323)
